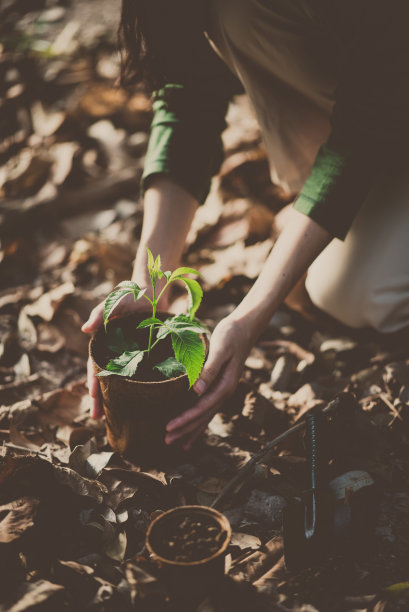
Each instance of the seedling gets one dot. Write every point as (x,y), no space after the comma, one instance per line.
(184,330)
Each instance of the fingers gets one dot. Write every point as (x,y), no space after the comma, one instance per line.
(197,417)
(188,443)
(95,319)
(191,426)
(94,391)
(203,406)
(211,368)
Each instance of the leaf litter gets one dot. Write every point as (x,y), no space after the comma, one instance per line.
(73,515)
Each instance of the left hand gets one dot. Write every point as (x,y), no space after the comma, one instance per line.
(230,345)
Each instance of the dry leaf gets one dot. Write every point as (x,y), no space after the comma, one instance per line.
(41,593)
(45,122)
(47,305)
(102,101)
(17,518)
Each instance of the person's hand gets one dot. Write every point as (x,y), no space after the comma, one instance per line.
(95,320)
(230,345)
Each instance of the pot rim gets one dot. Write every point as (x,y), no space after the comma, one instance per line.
(220,518)
(129,315)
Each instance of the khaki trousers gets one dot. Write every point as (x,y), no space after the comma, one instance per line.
(286,62)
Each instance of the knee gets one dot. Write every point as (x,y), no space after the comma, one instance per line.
(360,302)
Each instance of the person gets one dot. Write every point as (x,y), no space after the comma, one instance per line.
(329,84)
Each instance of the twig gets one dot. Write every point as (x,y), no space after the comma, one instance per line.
(386,401)
(337,403)
(23,448)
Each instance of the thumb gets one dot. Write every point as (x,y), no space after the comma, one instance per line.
(95,319)
(211,370)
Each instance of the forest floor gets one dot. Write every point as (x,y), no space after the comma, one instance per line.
(73,515)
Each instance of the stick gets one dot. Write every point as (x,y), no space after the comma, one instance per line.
(337,403)
(23,448)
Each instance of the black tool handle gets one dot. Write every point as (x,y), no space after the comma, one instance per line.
(315,472)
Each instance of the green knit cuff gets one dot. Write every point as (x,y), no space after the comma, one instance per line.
(336,188)
(185,141)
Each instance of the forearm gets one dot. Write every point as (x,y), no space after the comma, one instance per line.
(168,214)
(300,242)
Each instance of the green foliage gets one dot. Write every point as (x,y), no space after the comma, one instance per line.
(184,330)
(149,322)
(154,268)
(189,350)
(124,365)
(121,290)
(195,294)
(170,368)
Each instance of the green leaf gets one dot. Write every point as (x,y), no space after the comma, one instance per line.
(400,589)
(149,322)
(154,267)
(195,294)
(189,350)
(162,332)
(182,322)
(129,284)
(117,342)
(167,274)
(183,270)
(170,368)
(151,261)
(113,299)
(126,364)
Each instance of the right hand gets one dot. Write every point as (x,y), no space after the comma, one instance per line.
(94,322)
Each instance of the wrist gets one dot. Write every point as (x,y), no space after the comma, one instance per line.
(252,318)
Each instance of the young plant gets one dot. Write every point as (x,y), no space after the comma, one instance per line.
(184,330)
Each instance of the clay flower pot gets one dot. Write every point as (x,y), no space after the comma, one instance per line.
(189,544)
(137,409)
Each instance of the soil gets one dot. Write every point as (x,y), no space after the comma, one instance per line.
(189,538)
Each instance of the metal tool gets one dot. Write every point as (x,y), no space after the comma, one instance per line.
(327,517)
(307,521)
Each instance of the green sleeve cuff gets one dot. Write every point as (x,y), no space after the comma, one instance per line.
(337,186)
(185,139)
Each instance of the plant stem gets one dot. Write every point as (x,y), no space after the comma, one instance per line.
(164,288)
(147,298)
(154,304)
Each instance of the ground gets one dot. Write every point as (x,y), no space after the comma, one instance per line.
(73,515)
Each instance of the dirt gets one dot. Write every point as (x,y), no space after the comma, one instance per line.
(189,538)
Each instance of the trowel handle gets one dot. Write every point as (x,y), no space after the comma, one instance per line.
(314,448)
(314,458)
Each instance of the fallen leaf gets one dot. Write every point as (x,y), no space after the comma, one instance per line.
(245,541)
(62,406)
(50,339)
(96,462)
(102,101)
(45,122)
(80,454)
(29,174)
(137,113)
(22,368)
(47,305)
(16,518)
(41,593)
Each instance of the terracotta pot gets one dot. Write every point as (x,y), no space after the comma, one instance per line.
(137,411)
(189,581)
